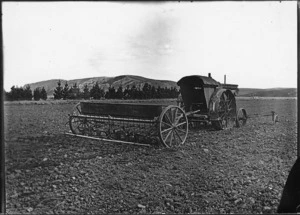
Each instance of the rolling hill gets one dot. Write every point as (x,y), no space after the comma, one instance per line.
(104,82)
(130,80)
(272,92)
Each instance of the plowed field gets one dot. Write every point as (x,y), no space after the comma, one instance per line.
(240,170)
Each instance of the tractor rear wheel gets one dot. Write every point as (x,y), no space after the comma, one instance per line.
(222,110)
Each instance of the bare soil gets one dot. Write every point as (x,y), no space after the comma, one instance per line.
(241,170)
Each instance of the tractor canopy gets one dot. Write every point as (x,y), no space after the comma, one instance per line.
(197,89)
(198,80)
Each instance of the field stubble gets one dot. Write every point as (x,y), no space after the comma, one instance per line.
(242,170)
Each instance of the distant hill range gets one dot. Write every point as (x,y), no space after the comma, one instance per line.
(104,82)
(138,81)
(271,92)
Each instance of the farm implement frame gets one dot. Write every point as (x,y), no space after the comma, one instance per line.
(202,101)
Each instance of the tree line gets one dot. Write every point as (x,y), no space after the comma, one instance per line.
(96,92)
(25,93)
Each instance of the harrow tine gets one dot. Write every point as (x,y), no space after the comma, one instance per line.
(108,140)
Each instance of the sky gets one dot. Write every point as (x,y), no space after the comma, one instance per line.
(253,43)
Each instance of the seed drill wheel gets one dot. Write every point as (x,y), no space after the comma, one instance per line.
(242,117)
(80,124)
(222,109)
(173,126)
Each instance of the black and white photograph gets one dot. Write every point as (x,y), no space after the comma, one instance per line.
(172,107)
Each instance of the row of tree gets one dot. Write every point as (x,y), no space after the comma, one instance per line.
(73,92)
(25,93)
(96,92)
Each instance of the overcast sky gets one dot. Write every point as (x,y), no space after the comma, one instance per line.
(253,43)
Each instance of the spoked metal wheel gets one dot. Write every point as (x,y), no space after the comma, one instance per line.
(173,126)
(223,110)
(80,124)
(242,117)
